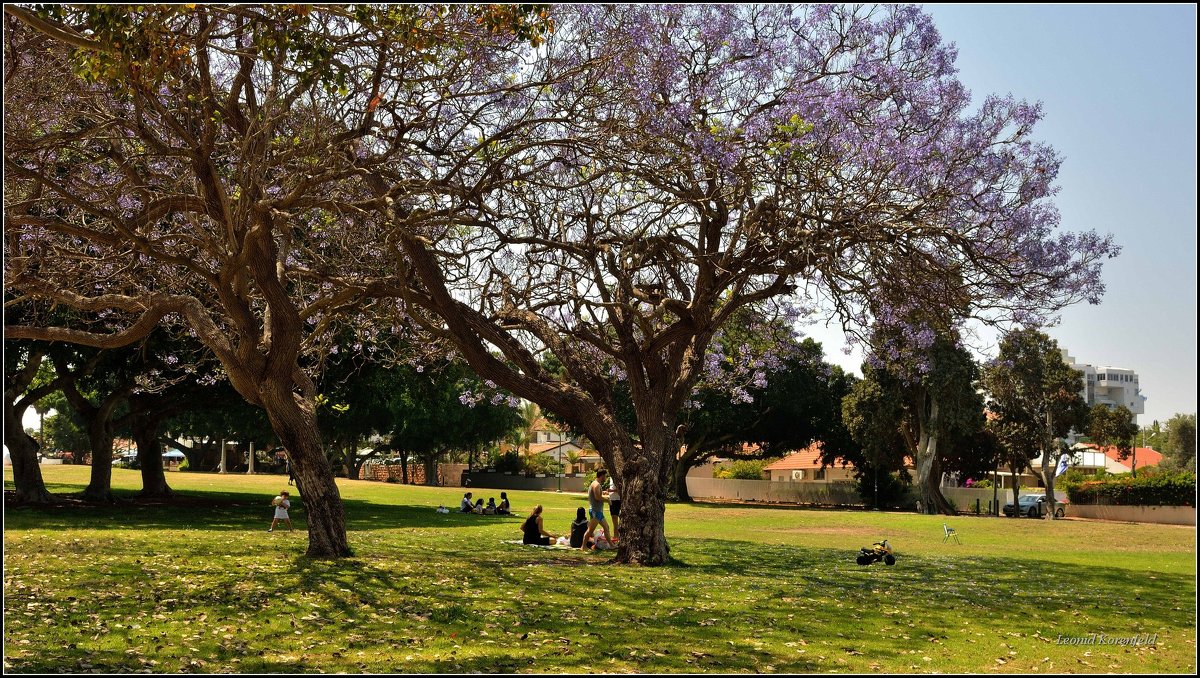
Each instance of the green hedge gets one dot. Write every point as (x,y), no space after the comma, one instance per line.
(1163,488)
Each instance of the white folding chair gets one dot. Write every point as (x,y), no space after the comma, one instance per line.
(950,532)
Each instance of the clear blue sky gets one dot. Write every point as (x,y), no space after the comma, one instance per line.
(1118,86)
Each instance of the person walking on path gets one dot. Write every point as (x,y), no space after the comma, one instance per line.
(281,504)
(596,501)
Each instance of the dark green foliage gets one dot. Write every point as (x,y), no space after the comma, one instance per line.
(508,462)
(1150,488)
(1180,450)
(1112,427)
(883,489)
(742,469)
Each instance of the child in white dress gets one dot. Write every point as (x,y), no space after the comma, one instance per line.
(281,504)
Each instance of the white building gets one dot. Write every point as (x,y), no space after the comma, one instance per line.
(1110,386)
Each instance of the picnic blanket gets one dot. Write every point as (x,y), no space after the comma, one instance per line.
(561,547)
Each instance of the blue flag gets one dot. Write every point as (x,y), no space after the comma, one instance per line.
(1063,462)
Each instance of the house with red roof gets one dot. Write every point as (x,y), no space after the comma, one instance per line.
(1093,457)
(806,465)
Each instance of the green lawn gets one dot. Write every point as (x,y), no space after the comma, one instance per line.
(204,588)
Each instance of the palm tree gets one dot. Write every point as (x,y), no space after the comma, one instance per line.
(526,433)
(573,458)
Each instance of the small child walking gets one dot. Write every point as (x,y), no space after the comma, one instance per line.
(281,504)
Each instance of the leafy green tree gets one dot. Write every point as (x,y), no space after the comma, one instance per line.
(920,398)
(1113,427)
(1180,450)
(445,407)
(1035,399)
(872,414)
(63,430)
(799,403)
(199,166)
(742,469)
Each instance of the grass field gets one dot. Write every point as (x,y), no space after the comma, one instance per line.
(204,588)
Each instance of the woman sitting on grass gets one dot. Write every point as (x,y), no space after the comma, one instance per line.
(533,531)
(503,509)
(578,528)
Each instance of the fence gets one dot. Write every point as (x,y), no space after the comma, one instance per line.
(448,474)
(775,492)
(1168,515)
(515,481)
(831,493)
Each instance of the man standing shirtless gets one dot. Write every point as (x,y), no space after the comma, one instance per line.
(596,501)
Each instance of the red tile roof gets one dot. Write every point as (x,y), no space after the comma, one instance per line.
(1145,455)
(809,457)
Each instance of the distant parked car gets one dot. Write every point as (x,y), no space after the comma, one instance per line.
(1034,506)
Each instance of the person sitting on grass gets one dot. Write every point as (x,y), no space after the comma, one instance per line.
(490,509)
(533,532)
(503,508)
(579,528)
(478,508)
(466,506)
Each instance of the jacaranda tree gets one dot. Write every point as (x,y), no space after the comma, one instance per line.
(194,166)
(681,163)
(612,197)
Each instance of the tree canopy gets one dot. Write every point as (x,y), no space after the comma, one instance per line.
(268,176)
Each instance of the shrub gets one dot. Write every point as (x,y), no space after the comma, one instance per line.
(751,469)
(540,463)
(509,461)
(893,490)
(1162,488)
(183,465)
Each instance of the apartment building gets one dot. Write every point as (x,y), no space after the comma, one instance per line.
(1110,386)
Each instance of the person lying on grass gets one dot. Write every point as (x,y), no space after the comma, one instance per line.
(533,531)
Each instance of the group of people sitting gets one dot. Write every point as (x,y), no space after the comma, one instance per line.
(491,509)
(590,529)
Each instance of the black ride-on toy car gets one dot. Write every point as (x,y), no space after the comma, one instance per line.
(876,552)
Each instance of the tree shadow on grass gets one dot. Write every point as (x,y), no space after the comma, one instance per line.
(701,613)
(224,510)
(985,582)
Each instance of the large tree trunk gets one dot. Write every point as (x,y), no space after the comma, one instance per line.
(683,465)
(431,468)
(1016,488)
(1048,467)
(295,422)
(100,440)
(154,479)
(928,480)
(23,450)
(644,474)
